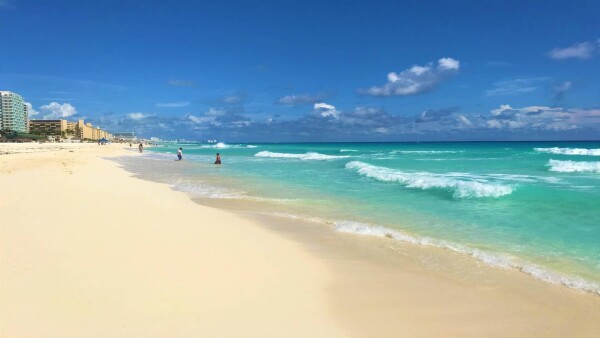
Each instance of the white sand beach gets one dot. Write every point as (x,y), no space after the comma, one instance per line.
(87,250)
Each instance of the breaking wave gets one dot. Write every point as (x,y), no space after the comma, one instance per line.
(307,156)
(569,151)
(461,185)
(222,145)
(574,166)
(492,259)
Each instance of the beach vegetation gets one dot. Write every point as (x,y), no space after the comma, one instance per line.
(13,136)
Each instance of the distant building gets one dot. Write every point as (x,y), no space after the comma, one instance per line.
(14,115)
(51,127)
(128,136)
(80,129)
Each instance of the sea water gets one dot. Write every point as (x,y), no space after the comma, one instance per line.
(534,207)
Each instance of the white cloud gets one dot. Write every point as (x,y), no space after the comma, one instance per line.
(173,104)
(498,111)
(326,110)
(55,110)
(416,79)
(201,119)
(449,63)
(138,116)
(516,86)
(30,110)
(300,99)
(581,50)
(217,117)
(464,120)
(540,117)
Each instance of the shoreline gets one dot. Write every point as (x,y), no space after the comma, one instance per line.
(240,202)
(372,286)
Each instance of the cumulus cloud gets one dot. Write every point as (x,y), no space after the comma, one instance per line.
(326,110)
(173,104)
(181,83)
(30,110)
(138,116)
(416,79)
(300,99)
(532,117)
(516,86)
(432,115)
(55,110)
(581,51)
(219,117)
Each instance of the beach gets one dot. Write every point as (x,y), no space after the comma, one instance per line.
(87,249)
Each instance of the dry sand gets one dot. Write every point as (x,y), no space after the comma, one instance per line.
(86,250)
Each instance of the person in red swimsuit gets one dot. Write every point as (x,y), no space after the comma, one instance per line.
(218,161)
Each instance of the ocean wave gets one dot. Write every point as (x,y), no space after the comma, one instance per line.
(307,156)
(574,166)
(425,152)
(462,185)
(492,259)
(221,145)
(569,151)
(347,150)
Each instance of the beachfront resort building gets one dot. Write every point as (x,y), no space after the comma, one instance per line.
(79,129)
(14,114)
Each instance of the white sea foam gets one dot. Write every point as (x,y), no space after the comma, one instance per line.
(574,166)
(207,191)
(569,151)
(307,156)
(221,145)
(463,185)
(493,259)
(347,150)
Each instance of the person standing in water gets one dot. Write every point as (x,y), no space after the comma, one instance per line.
(141,147)
(179,153)
(218,161)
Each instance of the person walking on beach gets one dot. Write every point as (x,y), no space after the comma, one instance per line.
(218,161)
(179,153)
(141,147)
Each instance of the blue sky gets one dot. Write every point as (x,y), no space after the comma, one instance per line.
(310,70)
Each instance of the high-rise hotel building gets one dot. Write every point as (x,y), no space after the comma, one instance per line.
(14,115)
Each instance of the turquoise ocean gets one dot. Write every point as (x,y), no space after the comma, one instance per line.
(533,207)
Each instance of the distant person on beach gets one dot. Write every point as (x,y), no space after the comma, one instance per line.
(141,147)
(129,145)
(218,161)
(179,153)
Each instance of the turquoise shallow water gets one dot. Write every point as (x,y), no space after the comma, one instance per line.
(530,206)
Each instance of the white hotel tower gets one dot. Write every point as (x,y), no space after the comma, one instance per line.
(14,115)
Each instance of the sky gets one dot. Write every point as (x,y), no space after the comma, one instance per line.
(319,71)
